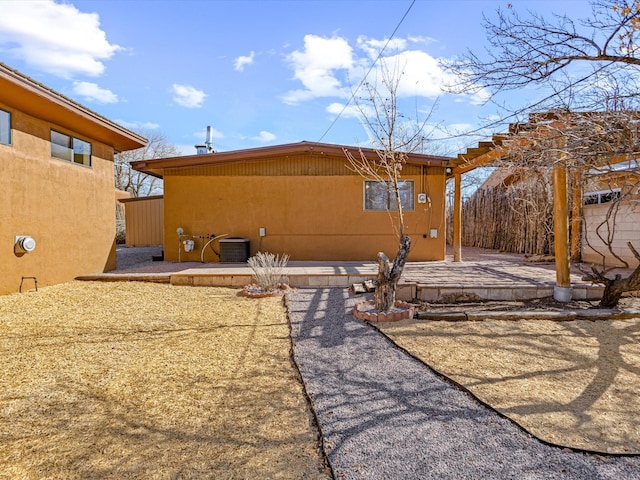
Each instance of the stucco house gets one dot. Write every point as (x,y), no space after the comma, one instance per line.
(57,217)
(301,199)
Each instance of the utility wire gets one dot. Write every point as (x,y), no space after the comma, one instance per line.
(353,94)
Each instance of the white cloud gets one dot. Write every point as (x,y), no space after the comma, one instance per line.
(188,96)
(373,47)
(316,67)
(92,92)
(265,136)
(54,37)
(325,64)
(243,61)
(350,111)
(421,39)
(421,74)
(138,125)
(481,97)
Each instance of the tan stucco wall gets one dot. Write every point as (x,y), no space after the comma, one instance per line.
(68,209)
(307,217)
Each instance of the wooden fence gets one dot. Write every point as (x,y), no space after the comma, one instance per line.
(518,219)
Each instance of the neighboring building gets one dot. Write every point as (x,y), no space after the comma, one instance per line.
(144,221)
(56,185)
(612,199)
(301,199)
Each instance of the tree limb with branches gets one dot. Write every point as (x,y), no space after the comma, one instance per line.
(139,184)
(392,136)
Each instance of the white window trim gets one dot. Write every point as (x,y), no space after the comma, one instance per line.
(600,194)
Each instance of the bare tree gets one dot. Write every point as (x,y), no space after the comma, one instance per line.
(530,49)
(139,184)
(393,136)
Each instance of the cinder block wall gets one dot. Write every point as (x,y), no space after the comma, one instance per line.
(627,229)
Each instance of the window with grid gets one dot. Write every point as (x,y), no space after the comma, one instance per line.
(380,195)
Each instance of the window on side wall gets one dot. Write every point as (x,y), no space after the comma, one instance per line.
(380,195)
(70,149)
(5,127)
(605,196)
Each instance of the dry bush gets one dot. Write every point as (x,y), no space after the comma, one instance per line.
(268,270)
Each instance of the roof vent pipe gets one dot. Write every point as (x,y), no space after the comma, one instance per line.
(209,142)
(207,147)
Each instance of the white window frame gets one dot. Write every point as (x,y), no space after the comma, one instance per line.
(601,196)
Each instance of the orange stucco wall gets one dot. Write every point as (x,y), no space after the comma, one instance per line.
(309,217)
(67,208)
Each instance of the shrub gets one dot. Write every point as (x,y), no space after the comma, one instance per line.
(268,270)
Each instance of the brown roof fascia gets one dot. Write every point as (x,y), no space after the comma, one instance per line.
(37,100)
(156,167)
(140,199)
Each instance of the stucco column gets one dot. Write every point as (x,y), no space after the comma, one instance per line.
(457,217)
(562,289)
(576,216)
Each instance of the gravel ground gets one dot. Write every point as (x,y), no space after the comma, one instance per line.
(128,257)
(385,415)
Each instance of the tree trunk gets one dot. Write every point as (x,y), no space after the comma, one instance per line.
(616,287)
(388,276)
(612,293)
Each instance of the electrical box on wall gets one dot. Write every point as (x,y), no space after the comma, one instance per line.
(262,232)
(433,233)
(422,198)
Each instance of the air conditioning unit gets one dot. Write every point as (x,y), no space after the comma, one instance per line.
(234,250)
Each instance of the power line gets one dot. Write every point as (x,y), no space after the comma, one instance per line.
(353,94)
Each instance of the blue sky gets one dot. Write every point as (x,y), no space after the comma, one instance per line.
(260,72)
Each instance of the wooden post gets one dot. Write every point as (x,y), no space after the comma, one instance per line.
(562,289)
(457,217)
(576,217)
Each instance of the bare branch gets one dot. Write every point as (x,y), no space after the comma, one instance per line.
(137,183)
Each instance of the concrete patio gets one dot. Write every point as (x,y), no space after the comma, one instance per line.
(482,275)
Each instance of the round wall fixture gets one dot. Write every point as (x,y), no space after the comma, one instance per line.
(24,244)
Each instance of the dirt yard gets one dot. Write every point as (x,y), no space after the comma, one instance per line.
(134,380)
(570,383)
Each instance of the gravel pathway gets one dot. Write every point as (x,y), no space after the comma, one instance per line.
(385,415)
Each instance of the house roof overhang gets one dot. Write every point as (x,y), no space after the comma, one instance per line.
(25,94)
(156,167)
